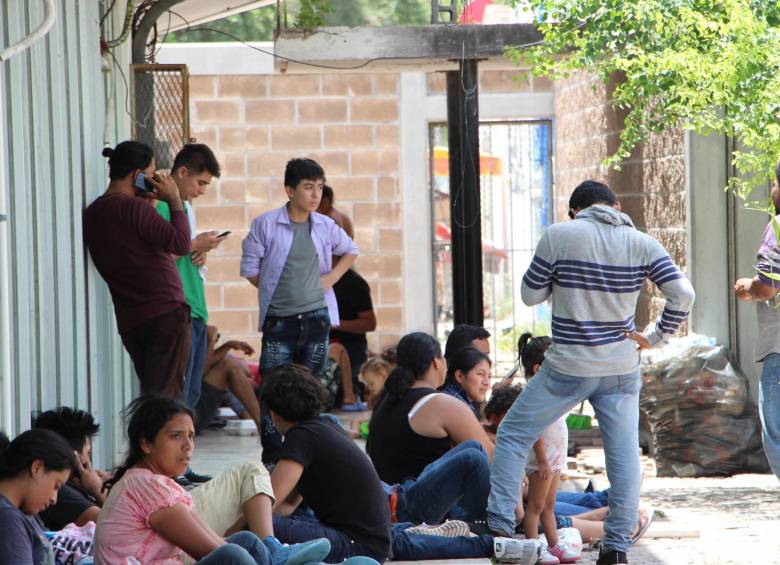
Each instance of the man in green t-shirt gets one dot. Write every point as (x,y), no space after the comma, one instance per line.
(193,169)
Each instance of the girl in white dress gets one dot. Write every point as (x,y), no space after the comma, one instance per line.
(545,463)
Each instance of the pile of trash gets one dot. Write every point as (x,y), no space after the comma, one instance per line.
(702,416)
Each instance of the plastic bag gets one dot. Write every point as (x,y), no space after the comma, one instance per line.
(703,419)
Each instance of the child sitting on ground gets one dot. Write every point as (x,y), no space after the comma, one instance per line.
(373,373)
(545,463)
(499,404)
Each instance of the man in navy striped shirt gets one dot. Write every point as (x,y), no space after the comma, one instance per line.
(593,269)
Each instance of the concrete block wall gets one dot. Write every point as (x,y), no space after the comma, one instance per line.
(650,184)
(255,124)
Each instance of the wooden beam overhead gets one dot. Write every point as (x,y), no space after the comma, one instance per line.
(372,49)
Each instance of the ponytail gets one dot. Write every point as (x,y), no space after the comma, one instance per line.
(531,351)
(33,445)
(415,353)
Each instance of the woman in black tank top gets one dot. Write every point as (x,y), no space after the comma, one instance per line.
(397,451)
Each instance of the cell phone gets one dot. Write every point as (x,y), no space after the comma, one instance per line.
(224,233)
(142,184)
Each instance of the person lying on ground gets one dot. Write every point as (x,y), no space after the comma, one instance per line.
(33,467)
(225,372)
(413,425)
(468,377)
(151,518)
(318,462)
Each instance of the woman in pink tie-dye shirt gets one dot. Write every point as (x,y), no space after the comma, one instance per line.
(150,518)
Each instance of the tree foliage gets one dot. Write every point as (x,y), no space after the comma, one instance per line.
(711,66)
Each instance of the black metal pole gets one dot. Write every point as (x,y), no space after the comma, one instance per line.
(466,227)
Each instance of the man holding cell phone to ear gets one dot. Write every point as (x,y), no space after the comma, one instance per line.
(131,246)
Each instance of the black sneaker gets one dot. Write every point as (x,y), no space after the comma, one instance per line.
(194,477)
(613,557)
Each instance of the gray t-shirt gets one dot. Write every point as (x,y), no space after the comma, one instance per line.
(299,289)
(21,541)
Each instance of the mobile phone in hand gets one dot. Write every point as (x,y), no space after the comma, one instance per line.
(224,233)
(142,184)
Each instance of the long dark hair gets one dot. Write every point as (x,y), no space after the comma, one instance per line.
(531,351)
(37,444)
(126,158)
(464,360)
(148,415)
(415,353)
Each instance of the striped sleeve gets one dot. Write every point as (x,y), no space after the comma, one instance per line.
(538,279)
(679,296)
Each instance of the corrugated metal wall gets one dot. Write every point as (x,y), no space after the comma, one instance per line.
(58,338)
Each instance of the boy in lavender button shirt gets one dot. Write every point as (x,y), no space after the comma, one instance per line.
(288,255)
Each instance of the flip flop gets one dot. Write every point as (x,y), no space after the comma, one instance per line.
(646,515)
(354,407)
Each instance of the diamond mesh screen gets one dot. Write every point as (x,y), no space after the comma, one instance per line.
(161,116)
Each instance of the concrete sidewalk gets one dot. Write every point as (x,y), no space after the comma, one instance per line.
(737,518)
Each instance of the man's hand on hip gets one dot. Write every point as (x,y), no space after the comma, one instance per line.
(742,289)
(640,339)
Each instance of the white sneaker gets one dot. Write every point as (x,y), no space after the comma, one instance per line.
(511,550)
(547,558)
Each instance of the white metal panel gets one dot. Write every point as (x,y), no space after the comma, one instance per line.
(58,338)
(18,141)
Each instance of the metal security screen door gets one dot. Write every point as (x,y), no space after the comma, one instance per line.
(516,205)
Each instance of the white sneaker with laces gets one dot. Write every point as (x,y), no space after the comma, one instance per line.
(511,550)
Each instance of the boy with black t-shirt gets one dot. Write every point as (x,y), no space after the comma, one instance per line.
(321,464)
(356,311)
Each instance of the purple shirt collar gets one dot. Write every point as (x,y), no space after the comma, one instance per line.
(267,245)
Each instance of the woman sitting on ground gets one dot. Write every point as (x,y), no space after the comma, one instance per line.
(149,517)
(33,467)
(413,425)
(468,377)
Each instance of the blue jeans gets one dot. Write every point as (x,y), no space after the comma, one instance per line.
(415,547)
(769,402)
(301,528)
(193,378)
(456,484)
(548,396)
(575,503)
(302,339)
(242,548)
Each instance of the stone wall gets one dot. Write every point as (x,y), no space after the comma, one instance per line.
(255,124)
(650,184)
